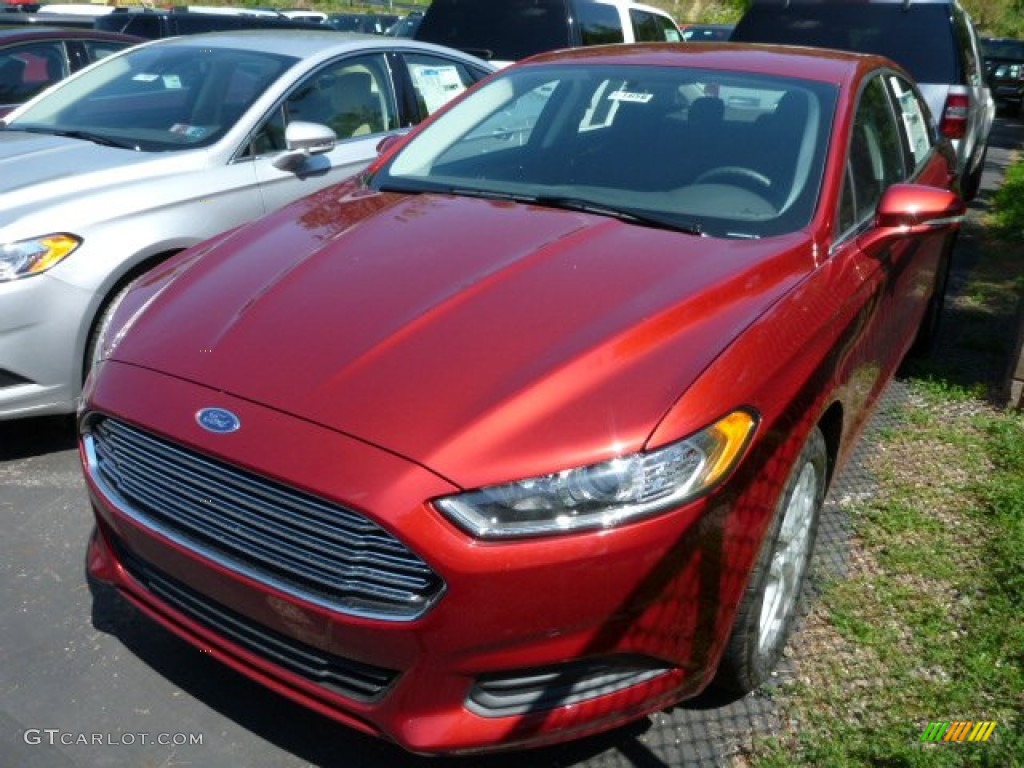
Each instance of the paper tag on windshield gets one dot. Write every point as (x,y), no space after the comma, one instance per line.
(636,98)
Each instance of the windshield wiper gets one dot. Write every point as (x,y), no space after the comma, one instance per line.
(622,214)
(95,138)
(490,194)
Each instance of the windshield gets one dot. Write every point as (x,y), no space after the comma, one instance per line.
(157,98)
(720,153)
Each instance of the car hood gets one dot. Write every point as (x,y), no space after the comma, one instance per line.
(41,171)
(485,340)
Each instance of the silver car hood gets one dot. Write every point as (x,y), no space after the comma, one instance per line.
(46,176)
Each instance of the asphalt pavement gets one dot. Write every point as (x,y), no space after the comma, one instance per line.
(87,682)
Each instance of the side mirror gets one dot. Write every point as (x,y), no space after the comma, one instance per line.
(912,209)
(304,140)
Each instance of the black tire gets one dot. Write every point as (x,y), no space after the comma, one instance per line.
(970,186)
(928,332)
(766,613)
(101,324)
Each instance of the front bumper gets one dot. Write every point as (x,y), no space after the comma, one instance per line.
(41,321)
(530,642)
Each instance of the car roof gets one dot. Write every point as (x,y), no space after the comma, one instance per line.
(784,61)
(300,43)
(34,32)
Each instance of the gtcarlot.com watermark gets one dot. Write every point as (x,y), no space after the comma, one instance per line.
(56,737)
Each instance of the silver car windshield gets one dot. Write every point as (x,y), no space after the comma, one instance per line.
(709,152)
(157,98)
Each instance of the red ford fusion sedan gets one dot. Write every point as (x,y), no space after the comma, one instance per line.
(524,433)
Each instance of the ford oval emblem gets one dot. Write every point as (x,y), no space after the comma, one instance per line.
(218,420)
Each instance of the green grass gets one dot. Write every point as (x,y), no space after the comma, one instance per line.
(928,622)
(1008,217)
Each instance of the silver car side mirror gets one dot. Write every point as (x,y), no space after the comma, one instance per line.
(304,140)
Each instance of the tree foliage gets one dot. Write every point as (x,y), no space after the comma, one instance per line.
(993,18)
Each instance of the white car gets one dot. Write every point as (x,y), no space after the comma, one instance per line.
(167,144)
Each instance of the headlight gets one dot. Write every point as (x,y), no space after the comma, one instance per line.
(607,494)
(31,257)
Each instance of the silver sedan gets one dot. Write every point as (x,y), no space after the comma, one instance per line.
(155,149)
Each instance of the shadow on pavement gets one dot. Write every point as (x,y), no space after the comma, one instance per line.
(22,438)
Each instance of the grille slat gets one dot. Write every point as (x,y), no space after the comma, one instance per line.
(240,539)
(279,535)
(274,533)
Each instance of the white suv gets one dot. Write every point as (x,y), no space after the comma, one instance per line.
(934,40)
(503,31)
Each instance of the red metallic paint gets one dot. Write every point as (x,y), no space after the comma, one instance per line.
(385,350)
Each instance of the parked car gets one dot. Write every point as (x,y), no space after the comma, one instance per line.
(152,24)
(503,31)
(524,432)
(156,148)
(368,23)
(33,58)
(1004,67)
(406,26)
(934,39)
(705,33)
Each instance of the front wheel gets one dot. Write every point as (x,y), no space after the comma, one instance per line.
(765,616)
(100,327)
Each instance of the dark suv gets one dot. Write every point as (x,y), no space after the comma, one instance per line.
(934,40)
(1004,66)
(503,31)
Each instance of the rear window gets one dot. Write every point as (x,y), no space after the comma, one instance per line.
(1003,49)
(918,36)
(508,30)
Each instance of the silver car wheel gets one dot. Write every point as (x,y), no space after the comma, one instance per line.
(790,558)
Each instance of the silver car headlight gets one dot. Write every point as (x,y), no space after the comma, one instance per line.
(607,494)
(32,257)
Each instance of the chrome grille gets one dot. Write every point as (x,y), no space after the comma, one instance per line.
(291,540)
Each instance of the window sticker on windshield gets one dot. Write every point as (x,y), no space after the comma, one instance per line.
(630,96)
(145,77)
(189,131)
(172,81)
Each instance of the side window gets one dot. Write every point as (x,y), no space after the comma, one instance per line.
(26,70)
(437,80)
(875,157)
(599,24)
(916,126)
(354,97)
(100,49)
(652,28)
(967,46)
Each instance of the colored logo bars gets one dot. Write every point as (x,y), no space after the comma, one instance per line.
(959,730)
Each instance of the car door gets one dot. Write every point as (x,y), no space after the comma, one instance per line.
(891,141)
(355,97)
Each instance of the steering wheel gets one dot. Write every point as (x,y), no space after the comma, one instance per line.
(748,174)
